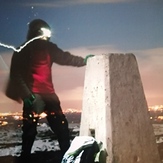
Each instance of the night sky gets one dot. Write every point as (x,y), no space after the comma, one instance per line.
(88,27)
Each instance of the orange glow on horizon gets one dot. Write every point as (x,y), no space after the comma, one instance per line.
(71,110)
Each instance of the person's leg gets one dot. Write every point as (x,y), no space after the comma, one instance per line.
(30,119)
(29,133)
(58,122)
(59,125)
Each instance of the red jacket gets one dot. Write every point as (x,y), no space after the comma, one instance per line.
(30,70)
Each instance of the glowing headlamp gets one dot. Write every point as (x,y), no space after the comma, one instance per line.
(46,32)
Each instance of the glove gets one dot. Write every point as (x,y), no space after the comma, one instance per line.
(88,56)
(28,102)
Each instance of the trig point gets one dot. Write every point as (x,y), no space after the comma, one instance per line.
(115,110)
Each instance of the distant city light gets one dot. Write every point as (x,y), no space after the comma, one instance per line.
(160,117)
(3,123)
(156,115)
(16,117)
(156,108)
(43,115)
(71,110)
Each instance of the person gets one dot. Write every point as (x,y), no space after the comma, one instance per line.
(30,82)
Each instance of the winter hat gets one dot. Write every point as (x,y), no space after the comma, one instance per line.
(38,27)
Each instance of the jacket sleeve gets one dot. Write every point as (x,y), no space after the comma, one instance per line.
(65,58)
(17,74)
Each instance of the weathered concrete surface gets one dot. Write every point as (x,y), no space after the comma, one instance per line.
(115,108)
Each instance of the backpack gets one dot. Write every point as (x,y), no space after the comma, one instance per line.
(83,149)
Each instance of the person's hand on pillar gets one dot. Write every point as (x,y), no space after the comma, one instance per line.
(88,56)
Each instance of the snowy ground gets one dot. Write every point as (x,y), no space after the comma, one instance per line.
(10,140)
(158,130)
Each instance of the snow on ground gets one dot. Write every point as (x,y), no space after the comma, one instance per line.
(39,145)
(158,130)
(10,140)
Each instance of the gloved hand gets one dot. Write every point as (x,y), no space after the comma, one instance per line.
(88,56)
(28,102)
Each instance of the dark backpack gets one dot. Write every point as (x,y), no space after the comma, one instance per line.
(83,149)
(89,154)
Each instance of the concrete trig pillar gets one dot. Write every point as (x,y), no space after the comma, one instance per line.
(115,110)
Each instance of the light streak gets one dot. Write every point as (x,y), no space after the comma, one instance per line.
(45,33)
(21,47)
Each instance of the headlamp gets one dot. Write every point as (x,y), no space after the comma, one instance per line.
(46,32)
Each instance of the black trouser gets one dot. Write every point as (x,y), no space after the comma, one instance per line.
(50,104)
